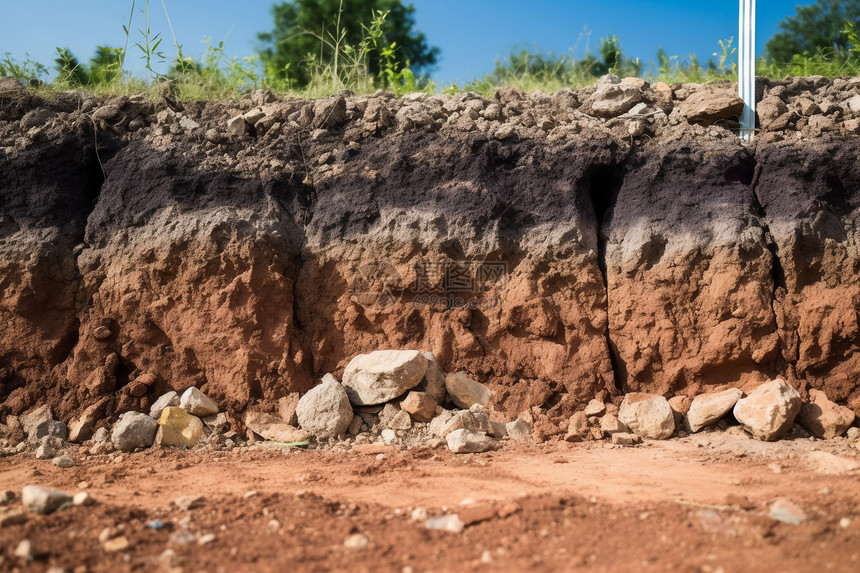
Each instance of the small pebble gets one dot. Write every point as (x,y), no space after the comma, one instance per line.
(187,502)
(116,544)
(844,523)
(63,462)
(24,550)
(450,523)
(356,541)
(205,539)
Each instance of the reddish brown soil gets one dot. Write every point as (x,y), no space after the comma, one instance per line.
(696,504)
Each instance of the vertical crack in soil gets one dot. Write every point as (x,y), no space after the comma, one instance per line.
(604,185)
(92,162)
(777,271)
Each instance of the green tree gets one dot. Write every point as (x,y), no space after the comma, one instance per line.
(818,28)
(300,24)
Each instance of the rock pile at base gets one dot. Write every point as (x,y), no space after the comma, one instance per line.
(463,419)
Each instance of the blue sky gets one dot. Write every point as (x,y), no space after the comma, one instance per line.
(471,33)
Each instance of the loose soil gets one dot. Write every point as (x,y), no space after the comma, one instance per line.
(692,504)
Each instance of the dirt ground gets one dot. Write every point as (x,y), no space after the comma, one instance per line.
(700,503)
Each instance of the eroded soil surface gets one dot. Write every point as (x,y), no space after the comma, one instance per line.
(701,503)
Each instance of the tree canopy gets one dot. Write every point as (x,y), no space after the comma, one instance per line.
(813,29)
(299,25)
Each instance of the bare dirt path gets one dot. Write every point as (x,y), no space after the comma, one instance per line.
(693,504)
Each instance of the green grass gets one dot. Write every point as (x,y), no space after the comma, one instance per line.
(216,76)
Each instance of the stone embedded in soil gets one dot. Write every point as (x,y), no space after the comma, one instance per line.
(271,427)
(787,512)
(420,405)
(433,382)
(389,436)
(63,462)
(43,500)
(709,106)
(498,430)
(236,126)
(24,550)
(384,375)
(324,410)
(680,406)
(825,419)
(287,408)
(450,523)
(519,430)
(216,422)
(120,543)
(609,424)
(613,98)
(354,426)
(439,422)
(197,403)
(330,112)
(625,439)
(647,415)
(356,541)
(464,392)
(400,421)
(469,442)
(35,418)
(167,399)
(45,452)
(188,502)
(133,430)
(595,408)
(81,429)
(52,428)
(768,412)
(179,428)
(466,420)
(707,409)
(577,427)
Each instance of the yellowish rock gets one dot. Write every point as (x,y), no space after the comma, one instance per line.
(179,428)
(117,544)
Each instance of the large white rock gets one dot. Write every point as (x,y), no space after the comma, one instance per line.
(133,430)
(647,415)
(469,442)
(38,499)
(465,392)
(325,411)
(384,375)
(825,419)
(707,409)
(769,410)
(197,403)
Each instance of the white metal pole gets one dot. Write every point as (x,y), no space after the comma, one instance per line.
(746,67)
